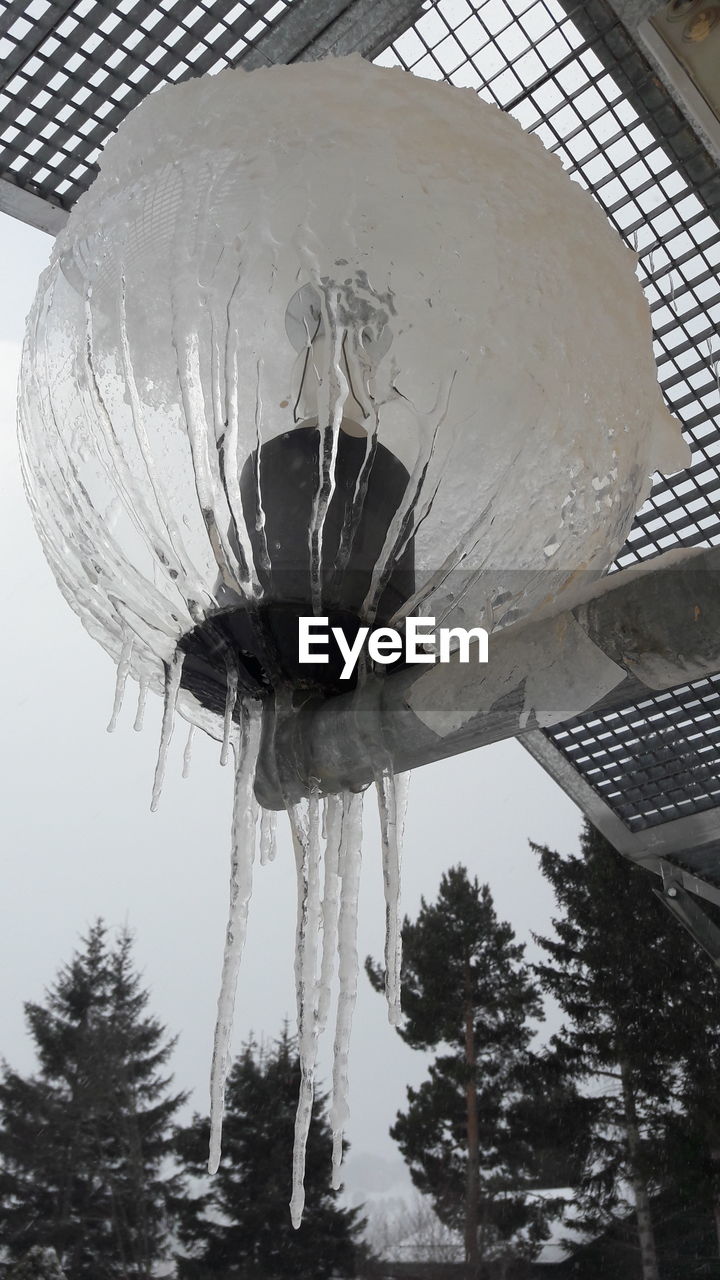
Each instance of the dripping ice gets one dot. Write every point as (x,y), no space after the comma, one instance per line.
(326,830)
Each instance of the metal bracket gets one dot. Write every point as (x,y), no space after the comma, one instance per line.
(687,911)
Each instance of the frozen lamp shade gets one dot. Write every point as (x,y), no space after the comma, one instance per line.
(329,338)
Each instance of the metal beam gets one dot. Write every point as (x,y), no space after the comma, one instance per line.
(32,209)
(651,627)
(313,29)
(688,913)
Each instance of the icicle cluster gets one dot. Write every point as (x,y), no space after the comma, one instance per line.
(327,840)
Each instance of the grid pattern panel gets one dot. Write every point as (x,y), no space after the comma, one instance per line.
(653,762)
(576,79)
(70,70)
(531,58)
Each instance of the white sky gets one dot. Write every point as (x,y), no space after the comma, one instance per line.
(79,840)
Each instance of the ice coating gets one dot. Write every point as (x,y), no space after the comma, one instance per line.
(333,834)
(173,674)
(392,802)
(305,823)
(159,355)
(349,869)
(187,753)
(230,700)
(241,871)
(123,671)
(140,712)
(268,828)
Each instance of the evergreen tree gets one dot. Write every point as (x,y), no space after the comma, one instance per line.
(468,1133)
(84,1141)
(692,1134)
(643,1010)
(38,1264)
(240,1228)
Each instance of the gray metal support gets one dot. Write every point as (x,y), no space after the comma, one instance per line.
(29,208)
(648,628)
(686,910)
(313,29)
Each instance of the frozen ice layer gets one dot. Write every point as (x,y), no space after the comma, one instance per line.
(347,257)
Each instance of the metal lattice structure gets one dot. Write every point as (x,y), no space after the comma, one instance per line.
(648,774)
(72,71)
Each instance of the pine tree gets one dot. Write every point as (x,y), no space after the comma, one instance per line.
(38,1264)
(83,1143)
(643,1010)
(467,1133)
(692,1133)
(240,1228)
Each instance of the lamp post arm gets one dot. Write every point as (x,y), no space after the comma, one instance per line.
(647,628)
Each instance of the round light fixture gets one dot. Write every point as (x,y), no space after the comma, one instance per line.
(329,338)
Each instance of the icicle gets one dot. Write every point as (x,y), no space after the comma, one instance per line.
(263,554)
(245,811)
(332,393)
(349,867)
(123,671)
(187,753)
(230,700)
(407,516)
(305,824)
(392,801)
(142,698)
(268,829)
(333,822)
(173,672)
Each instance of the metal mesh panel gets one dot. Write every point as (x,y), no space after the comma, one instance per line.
(532,60)
(653,762)
(577,80)
(70,70)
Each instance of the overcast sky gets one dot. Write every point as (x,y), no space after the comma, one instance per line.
(79,839)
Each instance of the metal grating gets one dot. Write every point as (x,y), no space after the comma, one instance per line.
(70,70)
(574,77)
(653,762)
(532,60)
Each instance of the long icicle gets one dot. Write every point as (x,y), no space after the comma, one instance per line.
(349,866)
(187,753)
(245,810)
(268,831)
(142,699)
(173,673)
(230,700)
(305,823)
(330,903)
(392,800)
(123,671)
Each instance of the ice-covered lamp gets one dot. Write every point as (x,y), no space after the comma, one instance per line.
(329,337)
